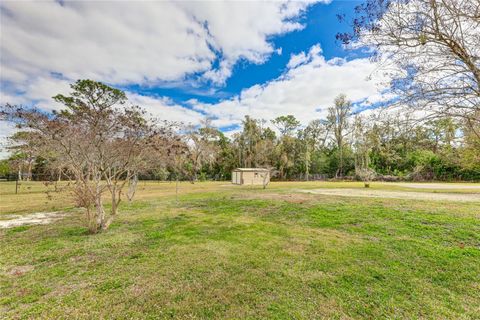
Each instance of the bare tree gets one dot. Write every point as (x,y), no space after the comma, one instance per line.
(429,48)
(100,142)
(265,175)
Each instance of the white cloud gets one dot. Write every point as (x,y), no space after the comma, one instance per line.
(301,58)
(163,108)
(6,130)
(124,42)
(45,46)
(38,91)
(138,42)
(305,90)
(240,29)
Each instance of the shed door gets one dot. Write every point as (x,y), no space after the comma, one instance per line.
(236,177)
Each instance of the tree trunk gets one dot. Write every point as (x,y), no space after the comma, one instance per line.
(114,201)
(265,182)
(307,162)
(91,223)
(132,187)
(106,222)
(29,170)
(100,214)
(340,165)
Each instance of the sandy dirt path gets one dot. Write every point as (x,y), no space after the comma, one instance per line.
(443,186)
(370,193)
(14,220)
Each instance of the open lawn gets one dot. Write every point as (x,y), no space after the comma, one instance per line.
(235,252)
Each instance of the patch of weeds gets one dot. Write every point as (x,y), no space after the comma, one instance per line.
(74,232)
(58,271)
(135,205)
(149,222)
(111,285)
(155,235)
(32,294)
(49,244)
(136,255)
(17,229)
(35,310)
(170,227)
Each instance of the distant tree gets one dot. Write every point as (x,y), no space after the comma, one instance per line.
(286,146)
(312,139)
(268,134)
(338,120)
(442,133)
(24,145)
(203,146)
(317,130)
(16,162)
(247,142)
(226,157)
(178,157)
(306,143)
(286,124)
(265,148)
(5,169)
(469,156)
(362,148)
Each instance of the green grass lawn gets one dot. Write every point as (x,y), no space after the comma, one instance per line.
(236,253)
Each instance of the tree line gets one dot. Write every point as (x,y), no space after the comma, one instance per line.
(386,144)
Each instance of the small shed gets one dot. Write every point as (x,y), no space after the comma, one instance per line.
(251,176)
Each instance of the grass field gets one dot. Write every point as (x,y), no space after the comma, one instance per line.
(236,252)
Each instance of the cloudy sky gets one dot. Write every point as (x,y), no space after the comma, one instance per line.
(187,60)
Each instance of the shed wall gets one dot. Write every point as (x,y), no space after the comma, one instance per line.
(252,177)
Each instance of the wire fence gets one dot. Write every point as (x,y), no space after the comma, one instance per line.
(23,181)
(143,177)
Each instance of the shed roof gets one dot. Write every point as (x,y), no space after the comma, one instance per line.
(251,169)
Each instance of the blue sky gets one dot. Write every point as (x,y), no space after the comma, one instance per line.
(186,61)
(320,26)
